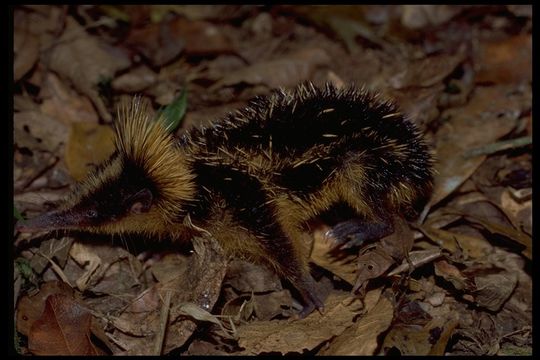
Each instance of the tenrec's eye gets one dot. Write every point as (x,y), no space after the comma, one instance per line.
(91,213)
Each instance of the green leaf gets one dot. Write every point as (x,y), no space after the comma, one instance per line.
(173,113)
(25,269)
(17,214)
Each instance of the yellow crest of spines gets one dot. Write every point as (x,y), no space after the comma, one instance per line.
(149,144)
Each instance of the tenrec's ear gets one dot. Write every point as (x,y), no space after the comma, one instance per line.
(141,201)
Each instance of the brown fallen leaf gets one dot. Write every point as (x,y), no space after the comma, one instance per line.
(484,284)
(103,269)
(201,12)
(30,168)
(30,307)
(64,104)
(89,144)
(493,290)
(496,225)
(138,325)
(36,201)
(25,46)
(169,266)
(82,59)
(247,277)
(156,42)
(430,339)
(389,250)
(135,80)
(420,16)
(371,264)
(240,309)
(62,329)
(474,247)
(520,10)
(202,38)
(427,72)
(298,335)
(204,348)
(507,61)
(362,337)
(518,211)
(48,132)
(419,104)
(452,274)
(489,115)
(285,71)
(56,249)
(268,306)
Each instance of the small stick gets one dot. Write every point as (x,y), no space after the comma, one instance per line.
(164,316)
(498,146)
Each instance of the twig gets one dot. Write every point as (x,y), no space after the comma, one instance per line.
(164,316)
(498,146)
(56,269)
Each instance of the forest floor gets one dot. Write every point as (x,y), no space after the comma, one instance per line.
(462,74)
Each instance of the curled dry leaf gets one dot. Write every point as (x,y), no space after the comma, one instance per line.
(390,249)
(64,328)
(372,264)
(88,145)
(361,337)
(80,58)
(106,269)
(285,71)
(452,274)
(84,256)
(240,308)
(299,335)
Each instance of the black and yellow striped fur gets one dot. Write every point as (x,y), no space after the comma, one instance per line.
(256,178)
